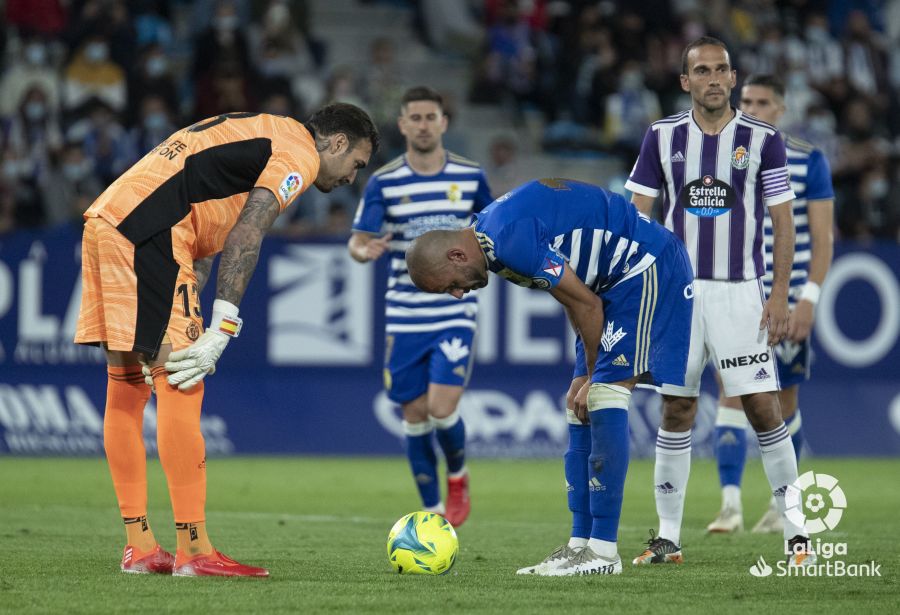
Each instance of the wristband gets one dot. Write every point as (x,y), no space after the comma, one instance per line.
(810,292)
(225,318)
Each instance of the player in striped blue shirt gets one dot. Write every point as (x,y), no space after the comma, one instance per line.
(429,340)
(626,285)
(763,97)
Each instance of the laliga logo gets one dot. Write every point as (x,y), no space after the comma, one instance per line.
(810,491)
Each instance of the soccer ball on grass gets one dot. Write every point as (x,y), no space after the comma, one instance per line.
(422,543)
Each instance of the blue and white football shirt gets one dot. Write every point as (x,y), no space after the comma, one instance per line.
(400,201)
(640,269)
(811,181)
(528,233)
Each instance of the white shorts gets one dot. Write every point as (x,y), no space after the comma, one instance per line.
(725,328)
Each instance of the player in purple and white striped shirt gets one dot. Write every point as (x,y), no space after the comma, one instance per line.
(718,171)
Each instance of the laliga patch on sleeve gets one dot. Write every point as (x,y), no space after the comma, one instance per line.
(290,186)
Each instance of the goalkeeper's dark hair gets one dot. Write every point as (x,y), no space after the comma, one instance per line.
(703,41)
(422,92)
(769,81)
(345,118)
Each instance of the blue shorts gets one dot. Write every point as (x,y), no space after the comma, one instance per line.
(414,360)
(793,362)
(647,328)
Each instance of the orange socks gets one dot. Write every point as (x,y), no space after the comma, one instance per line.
(139,535)
(192,540)
(123,439)
(183,455)
(181,451)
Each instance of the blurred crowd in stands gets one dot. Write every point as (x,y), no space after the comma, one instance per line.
(89,86)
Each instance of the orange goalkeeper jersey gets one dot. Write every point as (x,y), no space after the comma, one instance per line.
(205,171)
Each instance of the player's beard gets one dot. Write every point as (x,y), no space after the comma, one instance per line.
(713,107)
(427,148)
(323,187)
(475,277)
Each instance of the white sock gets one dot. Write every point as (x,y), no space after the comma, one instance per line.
(462,472)
(670,477)
(437,508)
(577,543)
(780,464)
(731,498)
(603,548)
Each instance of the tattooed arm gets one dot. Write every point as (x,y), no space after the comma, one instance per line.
(190,365)
(241,249)
(202,268)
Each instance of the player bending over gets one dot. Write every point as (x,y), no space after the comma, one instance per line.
(625,283)
(149,242)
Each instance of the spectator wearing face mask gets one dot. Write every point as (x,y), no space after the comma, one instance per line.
(152,76)
(283,57)
(104,140)
(20,201)
(876,210)
(32,133)
(93,75)
(151,23)
(32,68)
(222,43)
(628,110)
(154,125)
(69,186)
(865,60)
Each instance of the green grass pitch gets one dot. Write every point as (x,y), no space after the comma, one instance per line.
(320,525)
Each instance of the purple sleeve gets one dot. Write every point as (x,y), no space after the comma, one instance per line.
(773,172)
(647,175)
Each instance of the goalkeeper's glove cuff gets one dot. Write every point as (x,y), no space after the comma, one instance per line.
(225,318)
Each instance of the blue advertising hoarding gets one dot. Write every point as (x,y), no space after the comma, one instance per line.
(305,375)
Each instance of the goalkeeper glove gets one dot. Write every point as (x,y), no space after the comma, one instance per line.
(148,375)
(189,366)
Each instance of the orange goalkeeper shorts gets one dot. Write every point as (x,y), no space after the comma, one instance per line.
(134,298)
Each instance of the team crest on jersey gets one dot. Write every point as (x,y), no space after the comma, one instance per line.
(192,331)
(740,158)
(291,184)
(454,193)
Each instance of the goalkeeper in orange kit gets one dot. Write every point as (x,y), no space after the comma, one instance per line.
(149,241)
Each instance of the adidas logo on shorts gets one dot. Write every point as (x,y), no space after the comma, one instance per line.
(762,374)
(621,361)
